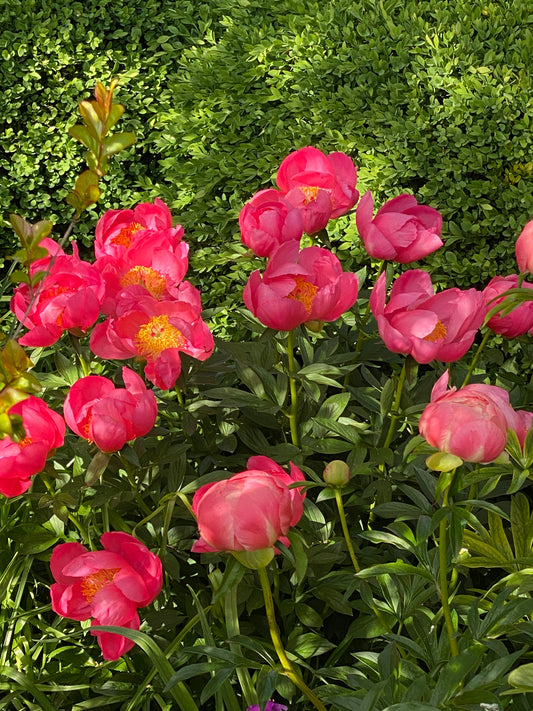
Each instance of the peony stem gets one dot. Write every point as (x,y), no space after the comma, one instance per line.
(450,628)
(233,629)
(344,524)
(476,357)
(366,315)
(278,644)
(293,416)
(396,406)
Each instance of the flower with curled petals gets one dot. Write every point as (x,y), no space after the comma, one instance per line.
(107,585)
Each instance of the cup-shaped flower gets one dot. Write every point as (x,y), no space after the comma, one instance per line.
(105,585)
(249,511)
(516,322)
(268,220)
(300,286)
(426,325)
(402,230)
(119,230)
(310,169)
(155,265)
(108,416)
(19,461)
(157,332)
(470,423)
(68,299)
(524,249)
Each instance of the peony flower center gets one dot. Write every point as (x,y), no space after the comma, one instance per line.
(438,333)
(94,582)
(310,193)
(157,335)
(154,282)
(54,291)
(125,235)
(304,292)
(25,442)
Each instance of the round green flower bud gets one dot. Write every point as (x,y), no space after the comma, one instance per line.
(337,473)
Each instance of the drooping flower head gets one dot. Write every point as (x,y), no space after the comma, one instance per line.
(402,230)
(106,585)
(300,286)
(426,325)
(109,416)
(19,461)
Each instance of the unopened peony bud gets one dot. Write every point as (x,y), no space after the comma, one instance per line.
(337,473)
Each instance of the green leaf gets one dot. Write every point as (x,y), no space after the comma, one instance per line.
(396,568)
(24,683)
(179,692)
(451,677)
(522,678)
(118,142)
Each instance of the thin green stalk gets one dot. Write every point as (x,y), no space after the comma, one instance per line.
(278,644)
(366,315)
(344,524)
(231,614)
(476,357)
(443,579)
(396,406)
(293,416)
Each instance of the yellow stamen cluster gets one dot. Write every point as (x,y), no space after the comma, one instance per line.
(154,282)
(438,333)
(304,292)
(125,235)
(310,192)
(156,336)
(94,582)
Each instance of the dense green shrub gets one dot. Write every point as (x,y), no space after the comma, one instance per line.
(432,98)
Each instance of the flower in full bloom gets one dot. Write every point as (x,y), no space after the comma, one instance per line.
(524,249)
(154,265)
(402,230)
(516,322)
(470,423)
(19,461)
(249,511)
(119,230)
(268,220)
(424,324)
(320,186)
(106,585)
(68,299)
(110,416)
(157,332)
(299,287)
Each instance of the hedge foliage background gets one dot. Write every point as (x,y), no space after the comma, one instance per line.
(429,98)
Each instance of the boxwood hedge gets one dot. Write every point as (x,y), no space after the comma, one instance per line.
(430,98)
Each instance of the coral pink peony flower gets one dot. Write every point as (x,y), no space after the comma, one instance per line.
(470,423)
(250,511)
(119,230)
(154,265)
(68,299)
(156,331)
(524,249)
(300,286)
(428,326)
(268,220)
(45,431)
(108,416)
(107,585)
(402,230)
(516,322)
(321,186)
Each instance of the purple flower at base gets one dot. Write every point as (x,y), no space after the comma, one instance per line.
(271,706)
